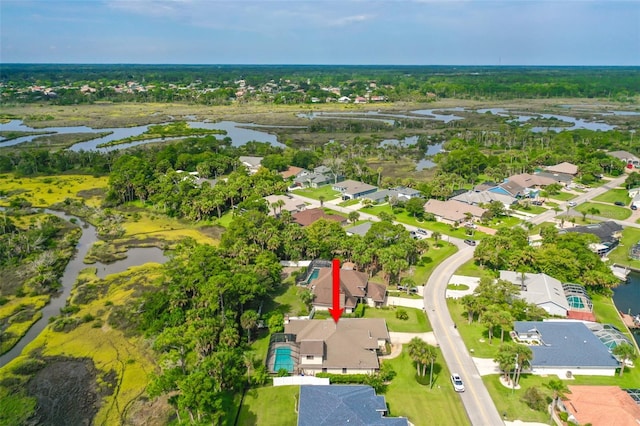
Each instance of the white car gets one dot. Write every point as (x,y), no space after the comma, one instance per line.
(572,204)
(458,385)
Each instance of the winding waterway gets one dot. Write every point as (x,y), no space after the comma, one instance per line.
(135,256)
(627,298)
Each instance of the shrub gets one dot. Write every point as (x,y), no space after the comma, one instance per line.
(402,314)
(359,311)
(535,399)
(283,372)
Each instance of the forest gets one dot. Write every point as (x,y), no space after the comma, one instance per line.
(219,84)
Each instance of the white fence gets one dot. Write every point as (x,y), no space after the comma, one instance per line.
(299,264)
(299,380)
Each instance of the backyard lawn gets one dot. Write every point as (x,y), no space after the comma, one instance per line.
(470,269)
(614,195)
(316,193)
(270,405)
(422,405)
(606,210)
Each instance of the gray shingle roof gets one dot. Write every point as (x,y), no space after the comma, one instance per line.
(538,288)
(343,404)
(567,344)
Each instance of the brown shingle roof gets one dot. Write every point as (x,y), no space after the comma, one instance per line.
(564,167)
(353,284)
(307,217)
(452,210)
(602,405)
(526,180)
(312,347)
(291,171)
(351,343)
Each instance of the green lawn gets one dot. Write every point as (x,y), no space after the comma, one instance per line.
(348,203)
(614,195)
(606,210)
(422,405)
(630,236)
(432,258)
(470,269)
(404,217)
(270,406)
(511,404)
(563,196)
(316,193)
(417,322)
(475,335)
(530,209)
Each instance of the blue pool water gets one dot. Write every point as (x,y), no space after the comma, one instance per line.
(313,276)
(283,359)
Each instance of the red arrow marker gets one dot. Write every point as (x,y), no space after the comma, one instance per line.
(336,311)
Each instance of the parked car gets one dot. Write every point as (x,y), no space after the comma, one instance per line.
(421,231)
(619,203)
(458,385)
(470,242)
(572,204)
(634,207)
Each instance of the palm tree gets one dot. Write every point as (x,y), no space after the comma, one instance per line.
(559,389)
(471,304)
(490,319)
(524,355)
(625,352)
(593,211)
(436,236)
(430,354)
(354,216)
(249,321)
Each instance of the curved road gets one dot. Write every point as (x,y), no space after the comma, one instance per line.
(476,399)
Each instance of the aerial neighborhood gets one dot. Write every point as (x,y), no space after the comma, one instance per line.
(315,249)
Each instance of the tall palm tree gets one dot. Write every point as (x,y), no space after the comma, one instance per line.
(559,389)
(624,352)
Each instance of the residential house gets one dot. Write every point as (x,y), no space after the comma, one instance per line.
(540,289)
(293,172)
(344,99)
(484,186)
(601,405)
(354,288)
(344,404)
(453,211)
(321,175)
(485,197)
(308,216)
(565,348)
(251,163)
(400,193)
(289,204)
(608,232)
(350,346)
(561,178)
(361,229)
(523,185)
(351,189)
(625,156)
(563,168)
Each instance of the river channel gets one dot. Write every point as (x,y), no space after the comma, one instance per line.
(135,256)
(627,298)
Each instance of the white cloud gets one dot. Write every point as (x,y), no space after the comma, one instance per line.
(348,20)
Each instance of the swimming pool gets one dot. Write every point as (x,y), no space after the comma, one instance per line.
(283,359)
(314,274)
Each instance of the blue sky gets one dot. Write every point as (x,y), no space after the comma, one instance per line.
(422,32)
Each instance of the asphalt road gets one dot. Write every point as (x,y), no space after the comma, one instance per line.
(476,399)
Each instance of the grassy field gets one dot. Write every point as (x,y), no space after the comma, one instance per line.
(421,404)
(44,191)
(614,195)
(270,406)
(530,209)
(129,358)
(470,269)
(151,226)
(432,258)
(606,210)
(417,322)
(563,196)
(315,193)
